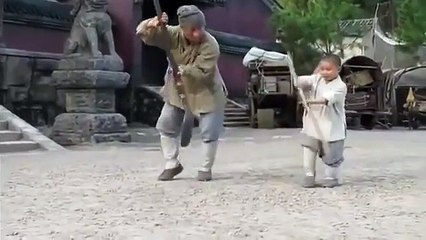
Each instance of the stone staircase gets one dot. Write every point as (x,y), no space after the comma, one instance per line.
(236,115)
(17,136)
(13,140)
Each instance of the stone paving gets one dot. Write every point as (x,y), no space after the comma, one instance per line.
(110,191)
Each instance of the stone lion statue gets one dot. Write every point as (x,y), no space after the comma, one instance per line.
(91,25)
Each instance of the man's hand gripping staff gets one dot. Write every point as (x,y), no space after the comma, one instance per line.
(188,121)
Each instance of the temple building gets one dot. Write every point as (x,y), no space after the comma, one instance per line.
(34,33)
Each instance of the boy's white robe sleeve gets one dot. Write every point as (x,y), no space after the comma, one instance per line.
(335,95)
(306,82)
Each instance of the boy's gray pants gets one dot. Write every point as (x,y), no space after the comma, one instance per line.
(211,125)
(334,158)
(313,147)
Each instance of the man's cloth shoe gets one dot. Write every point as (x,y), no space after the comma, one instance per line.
(169,174)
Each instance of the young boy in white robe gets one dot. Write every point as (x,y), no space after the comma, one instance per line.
(324,122)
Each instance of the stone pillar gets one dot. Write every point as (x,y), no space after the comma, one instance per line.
(1,23)
(86,80)
(86,88)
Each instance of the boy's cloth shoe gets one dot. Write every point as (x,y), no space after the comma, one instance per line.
(204,176)
(309,182)
(330,183)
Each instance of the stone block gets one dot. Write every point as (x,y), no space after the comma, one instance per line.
(3,82)
(90,79)
(111,137)
(265,118)
(18,71)
(60,98)
(17,94)
(69,139)
(42,93)
(90,100)
(41,79)
(46,65)
(42,89)
(106,63)
(76,128)
(90,123)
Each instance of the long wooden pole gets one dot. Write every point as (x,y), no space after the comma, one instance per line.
(325,145)
(189,118)
(305,104)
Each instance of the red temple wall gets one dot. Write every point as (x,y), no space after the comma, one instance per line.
(49,40)
(34,39)
(234,74)
(243,17)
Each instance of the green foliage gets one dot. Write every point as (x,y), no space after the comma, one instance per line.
(367,7)
(411,23)
(306,25)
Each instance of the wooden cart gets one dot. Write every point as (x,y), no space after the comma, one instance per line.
(409,96)
(271,94)
(365,98)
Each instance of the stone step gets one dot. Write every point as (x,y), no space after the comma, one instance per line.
(30,138)
(235,110)
(232,106)
(237,119)
(229,104)
(4,125)
(6,135)
(236,124)
(235,113)
(17,146)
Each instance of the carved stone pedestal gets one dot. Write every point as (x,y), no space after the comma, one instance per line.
(88,96)
(76,128)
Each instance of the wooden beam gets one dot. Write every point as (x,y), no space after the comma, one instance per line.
(360,66)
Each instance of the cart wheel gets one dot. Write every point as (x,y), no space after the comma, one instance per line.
(368,121)
(353,120)
(299,114)
(252,112)
(292,112)
(415,124)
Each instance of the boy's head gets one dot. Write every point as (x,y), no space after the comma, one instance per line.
(329,66)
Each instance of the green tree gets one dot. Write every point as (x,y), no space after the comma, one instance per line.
(411,23)
(308,28)
(367,7)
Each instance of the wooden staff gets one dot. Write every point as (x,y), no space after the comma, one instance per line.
(325,146)
(188,120)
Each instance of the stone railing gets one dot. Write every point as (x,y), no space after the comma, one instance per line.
(26,86)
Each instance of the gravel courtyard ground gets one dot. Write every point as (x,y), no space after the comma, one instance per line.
(110,191)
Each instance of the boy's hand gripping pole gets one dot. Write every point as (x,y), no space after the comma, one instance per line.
(325,146)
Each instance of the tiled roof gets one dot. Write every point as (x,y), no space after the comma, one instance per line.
(215,2)
(356,27)
(38,12)
(40,8)
(240,45)
(272,4)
